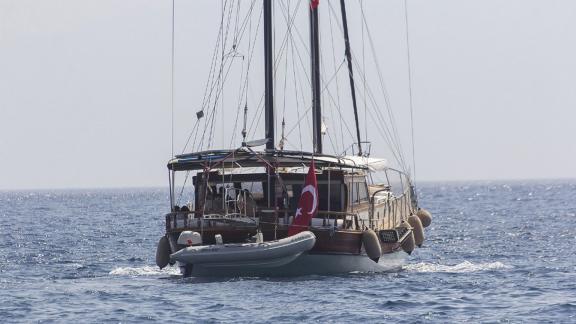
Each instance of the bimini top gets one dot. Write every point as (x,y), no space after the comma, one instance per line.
(246,158)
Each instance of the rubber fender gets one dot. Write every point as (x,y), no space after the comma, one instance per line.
(425,217)
(371,245)
(417,229)
(408,244)
(163,252)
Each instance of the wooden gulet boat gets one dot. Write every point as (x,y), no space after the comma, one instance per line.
(245,201)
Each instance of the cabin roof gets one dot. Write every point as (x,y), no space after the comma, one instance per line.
(246,158)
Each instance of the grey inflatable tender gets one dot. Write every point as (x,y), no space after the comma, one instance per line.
(245,252)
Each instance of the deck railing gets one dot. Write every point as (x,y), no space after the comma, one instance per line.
(387,209)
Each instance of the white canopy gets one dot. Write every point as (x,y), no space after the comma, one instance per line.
(373,164)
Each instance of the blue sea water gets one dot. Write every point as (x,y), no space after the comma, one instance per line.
(496,252)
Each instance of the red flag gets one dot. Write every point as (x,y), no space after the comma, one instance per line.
(307,205)
(314,3)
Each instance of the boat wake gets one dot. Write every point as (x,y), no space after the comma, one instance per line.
(463,267)
(144,271)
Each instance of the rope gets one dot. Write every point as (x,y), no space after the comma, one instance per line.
(337,84)
(364,76)
(172,80)
(410,89)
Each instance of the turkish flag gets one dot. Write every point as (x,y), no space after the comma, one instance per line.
(307,205)
(314,3)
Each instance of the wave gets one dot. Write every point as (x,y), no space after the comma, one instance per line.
(465,266)
(144,271)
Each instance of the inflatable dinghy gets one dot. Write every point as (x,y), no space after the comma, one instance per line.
(274,253)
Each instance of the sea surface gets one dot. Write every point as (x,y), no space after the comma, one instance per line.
(495,252)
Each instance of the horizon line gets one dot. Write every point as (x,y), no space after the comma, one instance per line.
(426,182)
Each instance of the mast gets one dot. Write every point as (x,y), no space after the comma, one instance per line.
(268,76)
(315,69)
(350,73)
(269,97)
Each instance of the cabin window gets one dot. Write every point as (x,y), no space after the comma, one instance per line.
(334,196)
(215,192)
(331,199)
(256,190)
(359,192)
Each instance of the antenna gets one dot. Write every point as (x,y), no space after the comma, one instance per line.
(244,127)
(282,139)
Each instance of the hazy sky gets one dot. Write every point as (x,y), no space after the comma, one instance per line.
(85,87)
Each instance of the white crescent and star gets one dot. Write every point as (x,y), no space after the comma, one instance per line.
(312,191)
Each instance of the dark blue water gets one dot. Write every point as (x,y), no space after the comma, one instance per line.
(496,252)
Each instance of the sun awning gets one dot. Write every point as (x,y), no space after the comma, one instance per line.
(247,158)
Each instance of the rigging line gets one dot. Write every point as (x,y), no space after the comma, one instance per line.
(224,44)
(275,60)
(190,136)
(304,115)
(234,41)
(288,35)
(363,71)
(330,96)
(337,83)
(298,86)
(240,101)
(243,91)
(251,48)
(331,142)
(327,83)
(410,89)
(183,186)
(364,68)
(210,121)
(393,134)
(296,95)
(385,95)
(257,114)
(289,20)
(284,91)
(388,137)
(212,80)
(239,34)
(388,134)
(285,75)
(172,79)
(257,120)
(225,68)
(221,66)
(260,106)
(380,77)
(398,158)
(251,56)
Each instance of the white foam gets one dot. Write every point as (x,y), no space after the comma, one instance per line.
(465,266)
(144,271)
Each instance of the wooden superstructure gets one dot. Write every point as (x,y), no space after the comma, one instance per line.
(235,203)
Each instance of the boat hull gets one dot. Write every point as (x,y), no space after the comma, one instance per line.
(300,265)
